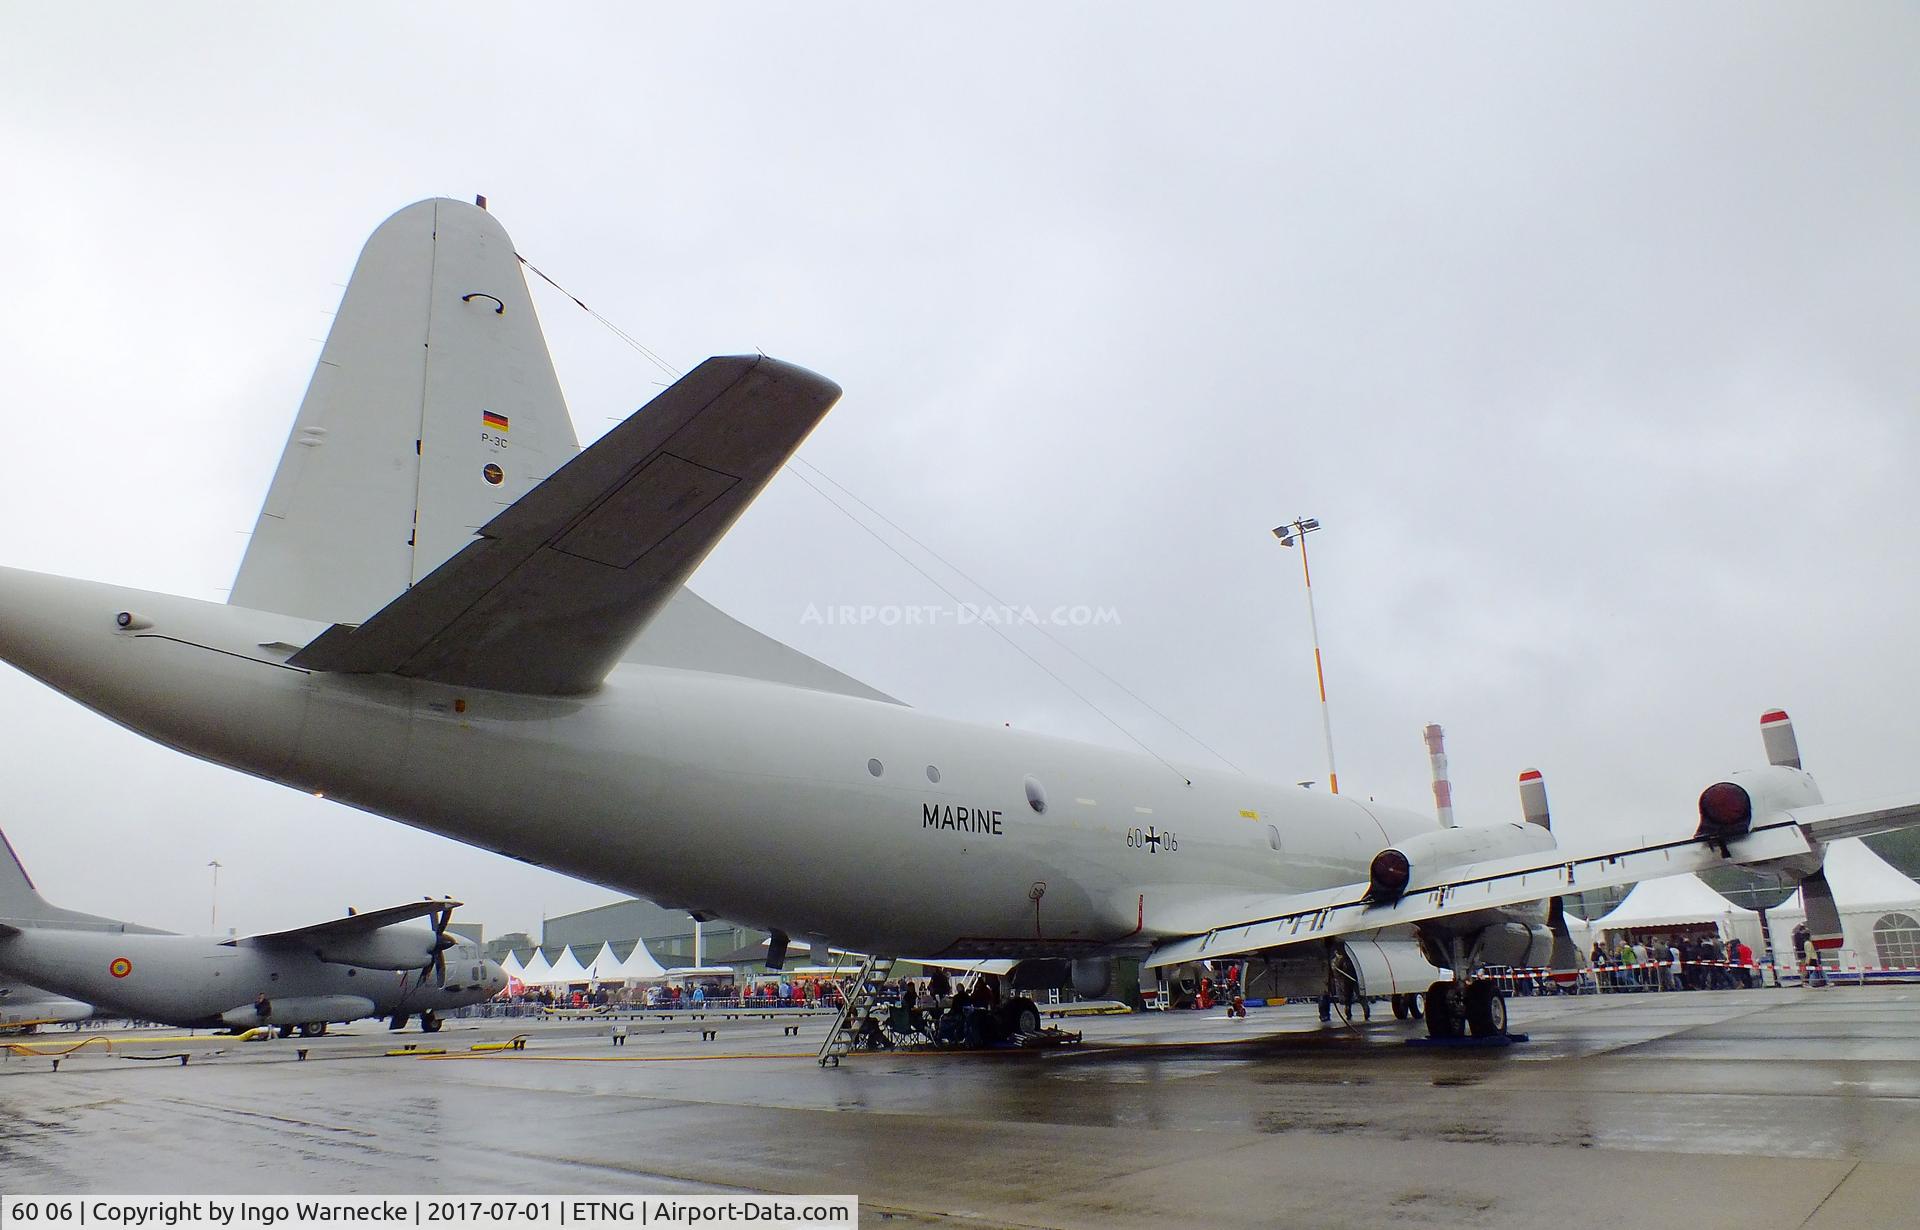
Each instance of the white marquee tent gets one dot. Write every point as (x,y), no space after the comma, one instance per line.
(565,971)
(537,970)
(605,967)
(1867,890)
(640,965)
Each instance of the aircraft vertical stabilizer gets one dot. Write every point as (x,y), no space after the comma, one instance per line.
(20,902)
(434,406)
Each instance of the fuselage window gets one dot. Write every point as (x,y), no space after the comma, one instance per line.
(1036,797)
(933,775)
(1273,836)
(875,767)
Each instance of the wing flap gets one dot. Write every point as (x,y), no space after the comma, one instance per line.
(558,585)
(352,924)
(1830,822)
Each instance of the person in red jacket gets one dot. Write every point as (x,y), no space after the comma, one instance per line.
(1742,964)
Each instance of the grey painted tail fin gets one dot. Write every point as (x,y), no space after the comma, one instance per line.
(21,903)
(433,407)
(18,897)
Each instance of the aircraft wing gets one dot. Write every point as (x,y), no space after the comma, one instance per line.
(553,590)
(1334,912)
(352,924)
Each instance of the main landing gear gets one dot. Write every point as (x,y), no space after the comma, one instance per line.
(429,1023)
(1456,1010)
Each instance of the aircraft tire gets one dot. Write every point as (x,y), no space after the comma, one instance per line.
(1400,1008)
(286,1031)
(397,1022)
(313,1029)
(1486,1010)
(1442,1021)
(1022,1017)
(429,1023)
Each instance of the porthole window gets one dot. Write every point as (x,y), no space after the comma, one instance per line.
(933,775)
(1036,797)
(1273,836)
(876,768)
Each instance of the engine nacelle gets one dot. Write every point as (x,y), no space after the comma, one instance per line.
(1514,944)
(396,947)
(1753,796)
(1425,858)
(1093,977)
(305,1010)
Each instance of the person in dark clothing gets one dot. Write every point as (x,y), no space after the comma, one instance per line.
(1715,957)
(1807,953)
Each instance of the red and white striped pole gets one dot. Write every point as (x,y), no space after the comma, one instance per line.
(1289,535)
(1442,786)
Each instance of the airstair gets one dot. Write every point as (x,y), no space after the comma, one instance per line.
(857,1008)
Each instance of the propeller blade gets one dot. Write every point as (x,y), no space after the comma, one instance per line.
(1776,732)
(1823,916)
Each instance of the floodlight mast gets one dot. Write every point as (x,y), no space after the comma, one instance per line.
(1295,532)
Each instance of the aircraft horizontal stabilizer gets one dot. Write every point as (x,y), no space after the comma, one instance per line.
(556,587)
(351,925)
(1335,912)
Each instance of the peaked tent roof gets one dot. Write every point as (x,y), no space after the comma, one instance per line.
(1670,899)
(1859,877)
(640,965)
(511,965)
(537,970)
(605,967)
(567,968)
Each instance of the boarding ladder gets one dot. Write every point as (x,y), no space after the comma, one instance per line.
(856,1008)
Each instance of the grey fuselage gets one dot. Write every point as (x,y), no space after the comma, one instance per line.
(195,981)
(734,797)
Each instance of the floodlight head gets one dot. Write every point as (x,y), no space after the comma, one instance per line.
(1299,529)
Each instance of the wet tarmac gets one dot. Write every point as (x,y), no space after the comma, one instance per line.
(1723,1109)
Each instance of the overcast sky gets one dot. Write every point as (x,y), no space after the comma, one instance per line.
(1588,334)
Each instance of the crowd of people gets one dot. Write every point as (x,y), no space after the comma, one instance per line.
(1674,963)
(938,1009)
(695,993)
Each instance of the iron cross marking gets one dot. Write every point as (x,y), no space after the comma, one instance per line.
(1153,840)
